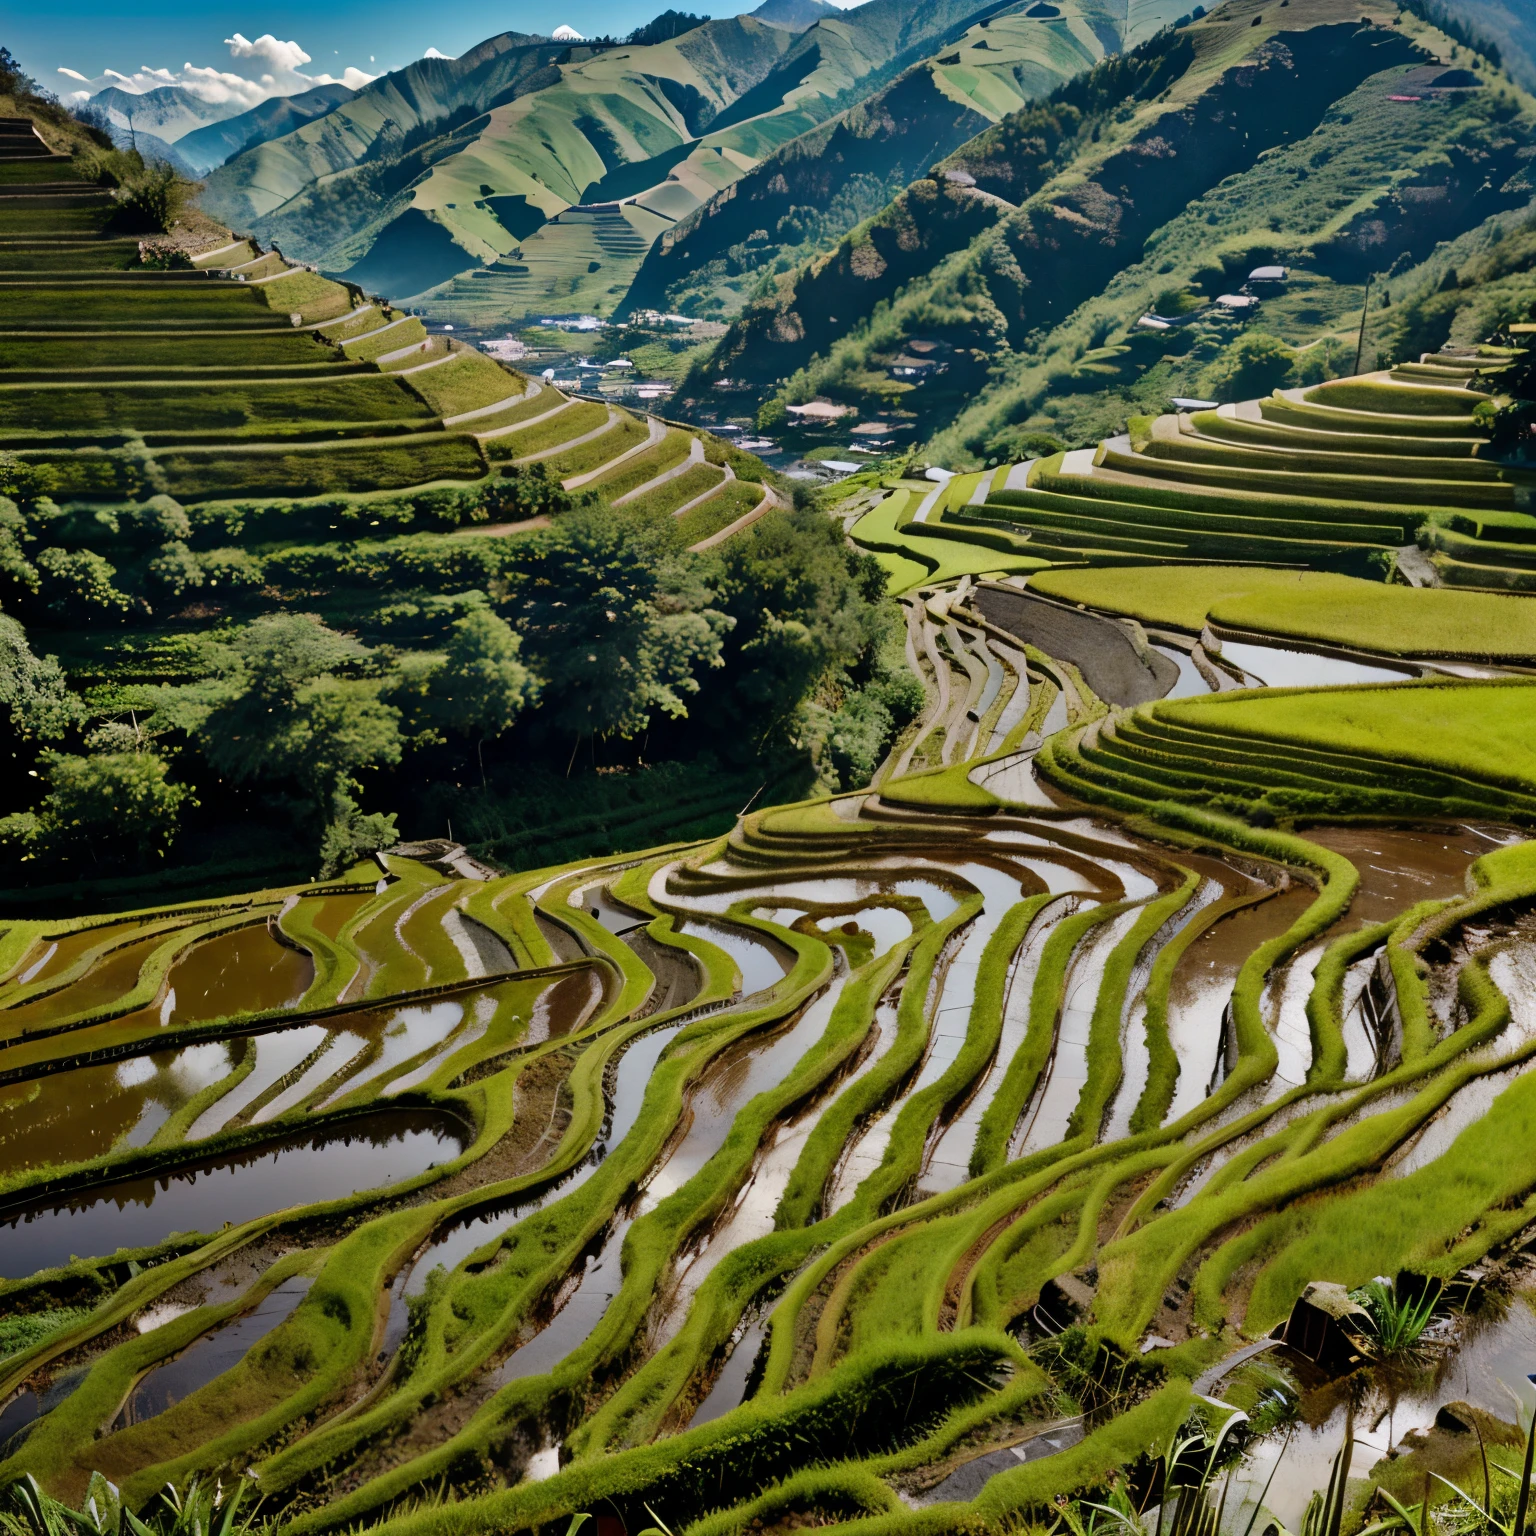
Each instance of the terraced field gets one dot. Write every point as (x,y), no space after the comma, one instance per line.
(1347,476)
(961,1152)
(751,1183)
(233,373)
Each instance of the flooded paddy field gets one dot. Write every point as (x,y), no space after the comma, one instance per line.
(653,1139)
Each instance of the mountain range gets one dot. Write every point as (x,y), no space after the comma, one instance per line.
(1012,183)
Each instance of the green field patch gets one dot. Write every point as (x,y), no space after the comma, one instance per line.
(1479,731)
(205,404)
(626,433)
(387,338)
(733,500)
(671,451)
(378,465)
(580,417)
(679,492)
(43,304)
(1308,605)
(466,383)
(146,352)
(308,295)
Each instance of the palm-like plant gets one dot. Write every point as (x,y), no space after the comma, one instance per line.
(26,1510)
(1398,1322)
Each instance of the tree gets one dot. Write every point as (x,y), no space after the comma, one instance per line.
(33,688)
(523,491)
(77,584)
(275,708)
(1253,365)
(175,570)
(115,803)
(479,686)
(804,604)
(617,622)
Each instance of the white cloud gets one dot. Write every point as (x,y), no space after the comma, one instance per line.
(432,53)
(260,68)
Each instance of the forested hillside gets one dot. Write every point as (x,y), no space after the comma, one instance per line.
(232,490)
(1153,185)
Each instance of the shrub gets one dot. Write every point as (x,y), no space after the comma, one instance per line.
(119,803)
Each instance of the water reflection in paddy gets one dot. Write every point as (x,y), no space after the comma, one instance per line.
(456,1244)
(368,1153)
(70,1117)
(1284,667)
(247,970)
(760,968)
(741,1072)
(211,1355)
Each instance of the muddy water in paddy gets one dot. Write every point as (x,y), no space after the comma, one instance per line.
(457,1242)
(740,1073)
(1287,667)
(1488,1359)
(1400,868)
(211,1355)
(106,981)
(51,957)
(367,1153)
(1202,987)
(244,971)
(69,1117)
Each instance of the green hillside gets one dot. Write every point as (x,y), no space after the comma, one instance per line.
(555,981)
(1151,186)
(554,196)
(199,437)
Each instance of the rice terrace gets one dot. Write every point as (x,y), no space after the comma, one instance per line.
(575,959)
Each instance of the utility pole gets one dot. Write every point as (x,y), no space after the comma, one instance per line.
(1364,315)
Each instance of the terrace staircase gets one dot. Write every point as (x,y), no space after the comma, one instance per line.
(1343,475)
(229,370)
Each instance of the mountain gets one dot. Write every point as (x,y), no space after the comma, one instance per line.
(168,112)
(560,191)
(799,200)
(794,15)
(1510,25)
(379,133)
(1150,186)
(208,147)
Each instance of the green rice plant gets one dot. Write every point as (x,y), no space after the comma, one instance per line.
(1325,1511)
(676,493)
(464,383)
(577,419)
(368,345)
(198,1510)
(380,464)
(625,434)
(671,451)
(1468,1517)
(307,295)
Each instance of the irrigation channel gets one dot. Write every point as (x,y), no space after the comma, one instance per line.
(614,1183)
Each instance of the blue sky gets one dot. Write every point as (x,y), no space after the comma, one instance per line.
(93,36)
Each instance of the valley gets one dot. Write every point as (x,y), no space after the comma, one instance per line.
(974,972)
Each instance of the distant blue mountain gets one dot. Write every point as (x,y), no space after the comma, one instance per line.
(208,147)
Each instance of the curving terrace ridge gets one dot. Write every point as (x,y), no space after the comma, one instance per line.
(897,1161)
